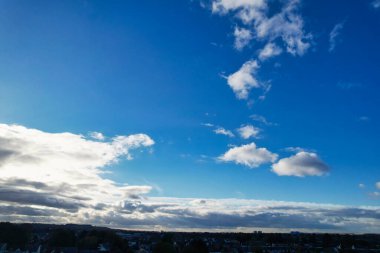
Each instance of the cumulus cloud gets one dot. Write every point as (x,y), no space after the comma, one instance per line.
(243,80)
(280,31)
(222,131)
(334,35)
(63,171)
(300,165)
(249,155)
(378,185)
(270,50)
(242,37)
(248,131)
(286,25)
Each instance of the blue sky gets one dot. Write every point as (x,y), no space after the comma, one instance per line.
(164,70)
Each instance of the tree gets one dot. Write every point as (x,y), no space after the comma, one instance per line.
(196,246)
(62,238)
(165,245)
(16,236)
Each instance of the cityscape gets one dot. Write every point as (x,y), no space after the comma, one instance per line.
(71,238)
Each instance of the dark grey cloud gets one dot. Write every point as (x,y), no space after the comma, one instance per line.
(300,165)
(17,182)
(129,207)
(29,211)
(354,213)
(31,197)
(272,216)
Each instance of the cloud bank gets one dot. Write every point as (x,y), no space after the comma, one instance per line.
(63,170)
(59,178)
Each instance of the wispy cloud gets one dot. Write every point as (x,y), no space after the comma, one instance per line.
(299,149)
(348,85)
(223,131)
(242,37)
(375,4)
(97,136)
(207,124)
(262,120)
(364,118)
(219,130)
(334,34)
(270,50)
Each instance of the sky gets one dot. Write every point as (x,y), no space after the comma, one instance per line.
(220,115)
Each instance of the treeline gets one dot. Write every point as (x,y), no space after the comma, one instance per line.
(167,245)
(19,236)
(14,235)
(88,240)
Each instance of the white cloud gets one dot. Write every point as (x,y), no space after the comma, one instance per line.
(261,119)
(243,80)
(286,25)
(57,178)
(334,35)
(294,149)
(222,131)
(207,124)
(189,214)
(299,149)
(248,155)
(378,185)
(300,165)
(242,37)
(224,6)
(248,131)
(63,170)
(361,185)
(270,50)
(97,136)
(376,4)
